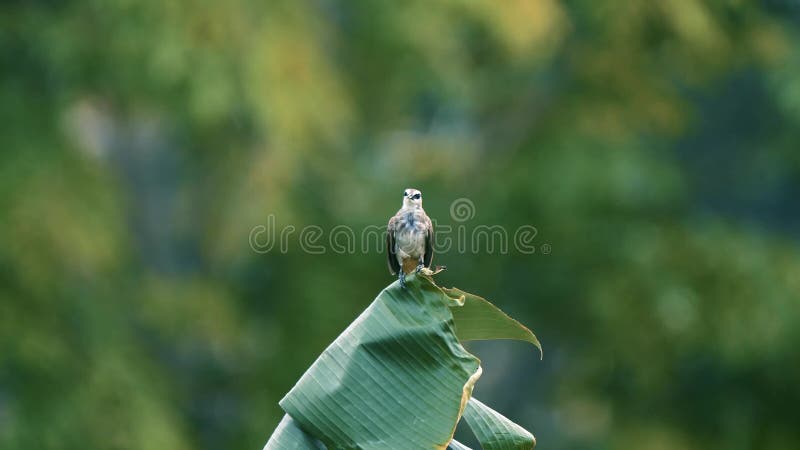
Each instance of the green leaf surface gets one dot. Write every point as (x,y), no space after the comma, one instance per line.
(494,431)
(398,376)
(478,319)
(288,436)
(395,378)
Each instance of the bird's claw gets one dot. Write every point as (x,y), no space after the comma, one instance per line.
(401,277)
(419,268)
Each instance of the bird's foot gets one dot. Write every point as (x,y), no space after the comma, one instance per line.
(428,271)
(419,267)
(401,277)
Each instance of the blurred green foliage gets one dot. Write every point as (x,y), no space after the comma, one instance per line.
(654,145)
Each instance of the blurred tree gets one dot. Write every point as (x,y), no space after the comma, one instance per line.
(653,145)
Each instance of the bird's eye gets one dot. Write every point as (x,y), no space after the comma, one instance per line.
(405,194)
(417,196)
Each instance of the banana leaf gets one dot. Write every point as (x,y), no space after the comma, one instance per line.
(494,431)
(477,319)
(399,378)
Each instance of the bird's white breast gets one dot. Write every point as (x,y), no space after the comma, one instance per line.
(410,233)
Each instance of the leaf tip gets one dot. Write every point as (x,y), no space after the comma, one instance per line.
(539,346)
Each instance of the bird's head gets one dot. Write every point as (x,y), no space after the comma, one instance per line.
(412,198)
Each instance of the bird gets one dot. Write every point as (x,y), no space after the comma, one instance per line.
(409,237)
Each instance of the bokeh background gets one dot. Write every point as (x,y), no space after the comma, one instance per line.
(655,146)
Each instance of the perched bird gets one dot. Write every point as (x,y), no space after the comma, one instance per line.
(409,237)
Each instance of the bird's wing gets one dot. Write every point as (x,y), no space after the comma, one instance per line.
(429,243)
(391,255)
